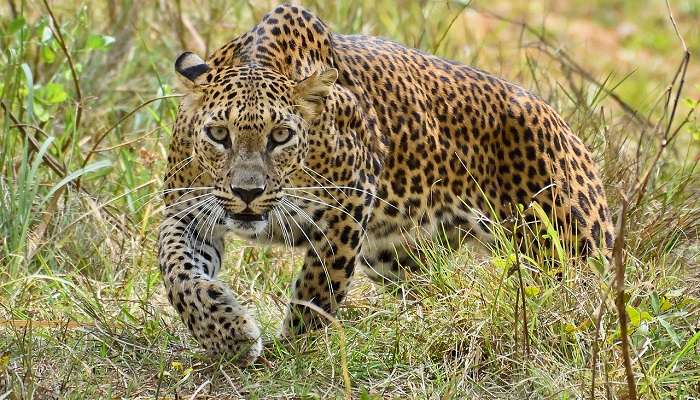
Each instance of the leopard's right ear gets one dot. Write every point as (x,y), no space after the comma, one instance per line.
(190,69)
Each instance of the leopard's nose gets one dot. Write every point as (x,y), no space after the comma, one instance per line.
(247,194)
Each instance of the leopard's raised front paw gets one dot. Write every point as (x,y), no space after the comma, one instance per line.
(233,334)
(222,326)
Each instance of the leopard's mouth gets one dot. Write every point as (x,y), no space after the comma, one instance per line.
(248,217)
(247,223)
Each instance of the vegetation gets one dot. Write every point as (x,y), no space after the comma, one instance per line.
(86,112)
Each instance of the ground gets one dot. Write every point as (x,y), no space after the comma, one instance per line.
(82,308)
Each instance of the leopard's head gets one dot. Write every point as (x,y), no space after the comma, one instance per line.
(248,126)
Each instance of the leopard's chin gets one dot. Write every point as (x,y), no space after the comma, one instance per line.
(246,224)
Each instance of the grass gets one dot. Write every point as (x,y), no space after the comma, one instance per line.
(83,144)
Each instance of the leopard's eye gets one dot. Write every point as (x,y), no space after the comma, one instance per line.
(280,136)
(218,134)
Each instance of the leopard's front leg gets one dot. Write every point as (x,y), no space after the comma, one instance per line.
(190,257)
(329,264)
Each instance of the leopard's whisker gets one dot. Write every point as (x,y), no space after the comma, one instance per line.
(207,213)
(323,203)
(284,203)
(188,191)
(166,191)
(270,231)
(323,264)
(288,228)
(186,200)
(283,228)
(196,177)
(192,181)
(153,196)
(201,225)
(179,167)
(199,209)
(330,245)
(211,221)
(183,213)
(341,188)
(186,209)
(307,170)
(276,221)
(363,230)
(306,216)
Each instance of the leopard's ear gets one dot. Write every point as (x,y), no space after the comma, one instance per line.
(310,93)
(190,68)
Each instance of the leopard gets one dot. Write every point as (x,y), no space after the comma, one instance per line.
(349,148)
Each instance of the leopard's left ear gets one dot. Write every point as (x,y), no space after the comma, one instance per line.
(190,67)
(310,93)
